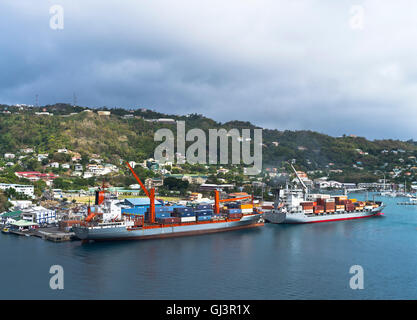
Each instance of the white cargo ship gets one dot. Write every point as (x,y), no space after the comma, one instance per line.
(299,206)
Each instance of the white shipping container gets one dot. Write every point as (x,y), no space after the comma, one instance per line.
(323,196)
(308,211)
(187,219)
(247,210)
(368,207)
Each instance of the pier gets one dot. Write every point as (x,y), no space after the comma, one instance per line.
(50,234)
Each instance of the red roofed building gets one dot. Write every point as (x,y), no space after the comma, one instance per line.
(36,175)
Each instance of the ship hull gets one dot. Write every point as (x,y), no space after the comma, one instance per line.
(299,217)
(122,233)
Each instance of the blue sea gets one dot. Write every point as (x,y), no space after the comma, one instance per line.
(309,261)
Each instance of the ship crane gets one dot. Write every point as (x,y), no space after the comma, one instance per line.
(217,200)
(150,194)
(305,189)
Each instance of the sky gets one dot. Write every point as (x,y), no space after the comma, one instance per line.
(336,67)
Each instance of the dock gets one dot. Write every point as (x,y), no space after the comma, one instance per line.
(50,234)
(407,203)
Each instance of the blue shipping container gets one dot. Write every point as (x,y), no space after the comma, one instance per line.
(234,210)
(204,218)
(183,214)
(203,206)
(204,212)
(183,209)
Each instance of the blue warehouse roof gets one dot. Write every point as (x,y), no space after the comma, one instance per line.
(141,202)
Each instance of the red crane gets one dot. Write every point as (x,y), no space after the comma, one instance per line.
(150,195)
(217,200)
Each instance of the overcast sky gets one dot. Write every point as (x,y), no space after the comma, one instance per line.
(331,66)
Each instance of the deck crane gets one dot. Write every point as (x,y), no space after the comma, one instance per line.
(150,194)
(217,200)
(305,189)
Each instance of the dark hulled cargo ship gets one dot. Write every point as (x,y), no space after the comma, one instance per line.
(105,221)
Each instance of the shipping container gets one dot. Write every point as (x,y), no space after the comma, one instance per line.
(183,214)
(246,206)
(188,219)
(168,220)
(207,212)
(183,209)
(234,211)
(204,218)
(203,207)
(247,210)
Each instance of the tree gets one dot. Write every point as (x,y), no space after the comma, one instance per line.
(172,183)
(4,203)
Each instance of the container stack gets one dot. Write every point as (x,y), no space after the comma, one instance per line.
(329,205)
(318,209)
(203,212)
(186,214)
(359,205)
(234,213)
(307,207)
(350,207)
(246,208)
(160,212)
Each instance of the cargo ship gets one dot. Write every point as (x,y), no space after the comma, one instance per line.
(299,206)
(106,220)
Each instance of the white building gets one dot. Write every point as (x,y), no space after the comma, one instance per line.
(21,204)
(39,215)
(42,156)
(9,156)
(28,190)
(27,150)
(54,165)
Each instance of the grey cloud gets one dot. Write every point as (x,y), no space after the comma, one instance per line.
(280,64)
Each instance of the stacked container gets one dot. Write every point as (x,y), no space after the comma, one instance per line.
(160,212)
(307,207)
(204,212)
(318,209)
(186,214)
(329,205)
(246,208)
(168,220)
(350,207)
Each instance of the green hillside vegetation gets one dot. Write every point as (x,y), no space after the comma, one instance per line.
(117,138)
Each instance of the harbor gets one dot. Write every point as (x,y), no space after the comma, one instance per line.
(276,261)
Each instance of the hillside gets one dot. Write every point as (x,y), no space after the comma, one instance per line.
(117,137)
